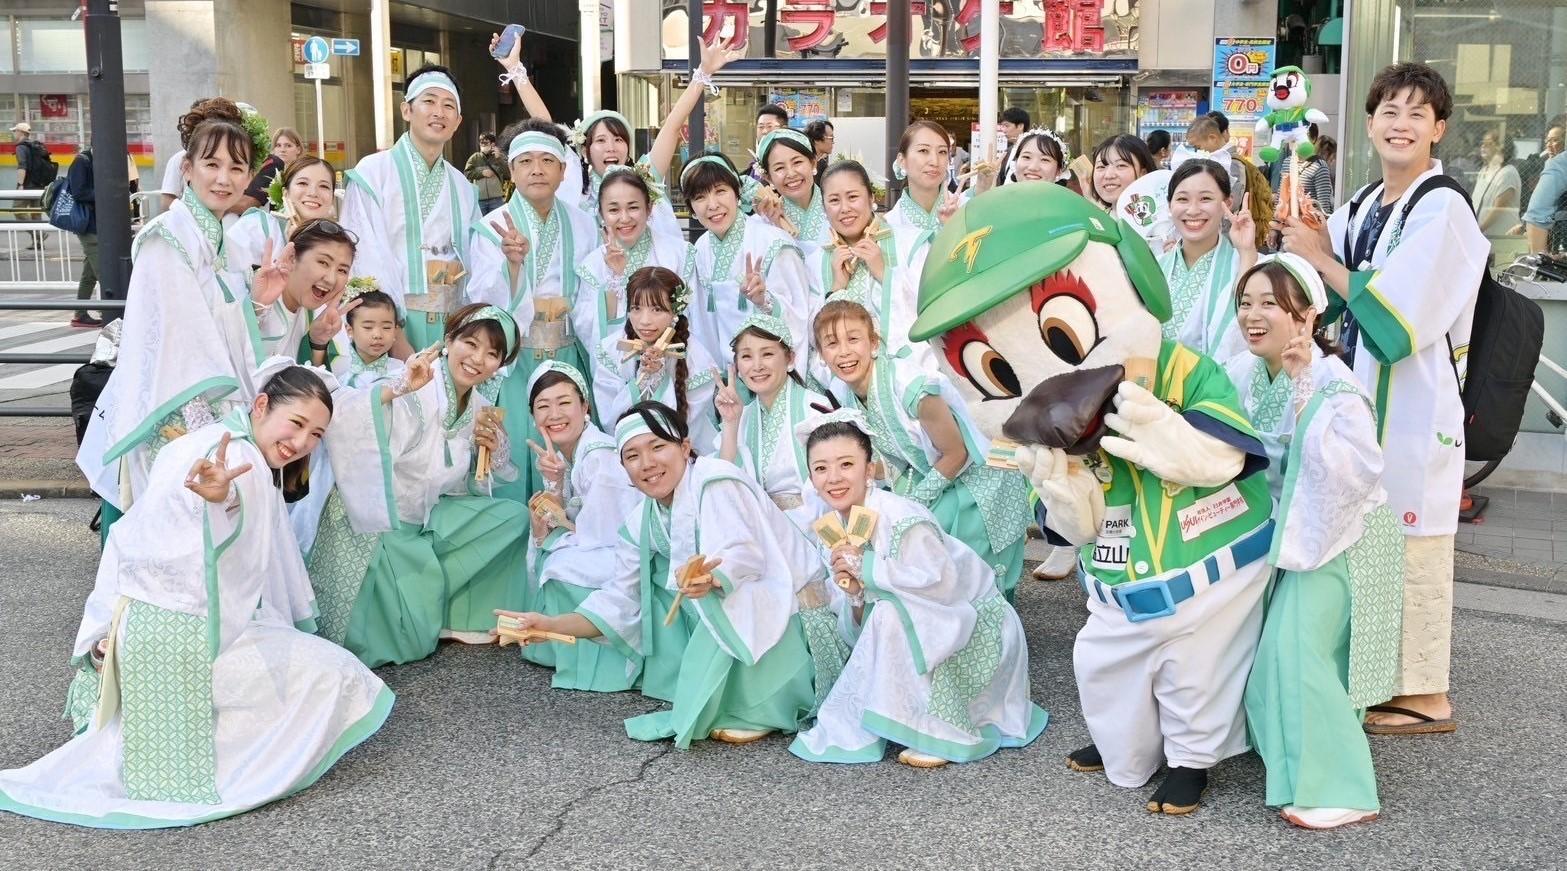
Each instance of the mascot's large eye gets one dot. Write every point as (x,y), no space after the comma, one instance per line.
(1068,328)
(988,371)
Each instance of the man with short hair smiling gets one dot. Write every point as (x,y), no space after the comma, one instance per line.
(413,212)
(1408,290)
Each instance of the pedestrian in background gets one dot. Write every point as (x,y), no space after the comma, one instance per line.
(79,184)
(286,148)
(820,133)
(486,168)
(1159,143)
(1316,177)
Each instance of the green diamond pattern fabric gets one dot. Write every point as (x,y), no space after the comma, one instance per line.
(956,683)
(337,567)
(1376,581)
(1266,400)
(81,698)
(1186,287)
(828,652)
(166,715)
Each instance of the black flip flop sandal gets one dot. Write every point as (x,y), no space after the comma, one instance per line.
(1425,725)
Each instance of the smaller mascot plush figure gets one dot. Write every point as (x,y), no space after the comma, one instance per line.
(1046,312)
(1288,120)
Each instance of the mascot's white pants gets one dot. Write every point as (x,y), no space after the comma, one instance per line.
(1170,689)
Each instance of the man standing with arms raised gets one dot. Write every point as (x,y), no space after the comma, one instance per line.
(413,211)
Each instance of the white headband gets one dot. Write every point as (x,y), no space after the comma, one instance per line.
(1307,277)
(1062,173)
(432,79)
(635,424)
(851,416)
(1184,152)
(534,142)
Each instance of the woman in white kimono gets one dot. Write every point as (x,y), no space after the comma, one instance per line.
(929,448)
(185,347)
(295,299)
(684,381)
(578,465)
(743,264)
(625,201)
(525,257)
(1039,155)
(755,434)
(1330,639)
(863,266)
(191,702)
(709,594)
(940,663)
(923,155)
(305,190)
(794,204)
(1202,267)
(412,547)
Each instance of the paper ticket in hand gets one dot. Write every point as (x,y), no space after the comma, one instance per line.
(830,530)
(862,525)
(1002,455)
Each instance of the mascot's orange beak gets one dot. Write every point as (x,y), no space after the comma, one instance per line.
(1066,411)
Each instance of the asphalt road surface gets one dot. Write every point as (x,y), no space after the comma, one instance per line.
(482,765)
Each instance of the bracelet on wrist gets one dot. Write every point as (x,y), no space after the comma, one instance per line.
(321,347)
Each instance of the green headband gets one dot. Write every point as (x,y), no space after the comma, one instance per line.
(768,324)
(708,158)
(780,135)
(565,369)
(532,141)
(500,316)
(579,131)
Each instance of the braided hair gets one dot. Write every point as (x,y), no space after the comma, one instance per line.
(657,287)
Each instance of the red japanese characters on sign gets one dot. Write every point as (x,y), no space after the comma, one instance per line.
(879,7)
(725,12)
(969,14)
(818,15)
(1073,25)
(54,105)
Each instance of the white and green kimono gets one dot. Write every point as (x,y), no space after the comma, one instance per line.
(209,702)
(600,307)
(568,565)
(985,508)
(738,657)
(410,548)
(617,386)
(815,231)
(893,302)
(718,311)
(413,222)
(774,458)
(940,663)
(584,196)
(1202,301)
(913,228)
(1330,637)
(556,244)
(187,347)
(246,238)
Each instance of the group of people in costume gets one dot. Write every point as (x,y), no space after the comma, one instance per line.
(779,479)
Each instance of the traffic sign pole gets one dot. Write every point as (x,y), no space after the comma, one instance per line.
(320,124)
(316,52)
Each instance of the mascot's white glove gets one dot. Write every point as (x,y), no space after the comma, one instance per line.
(1156,438)
(1073,499)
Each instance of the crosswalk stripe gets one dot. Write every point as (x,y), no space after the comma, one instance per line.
(39,377)
(29,328)
(62,343)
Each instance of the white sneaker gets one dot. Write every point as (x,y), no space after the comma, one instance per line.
(740,736)
(920,760)
(1324,817)
(466,637)
(1059,564)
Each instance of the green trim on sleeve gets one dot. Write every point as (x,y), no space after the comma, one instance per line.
(610,636)
(1388,336)
(222,384)
(353,176)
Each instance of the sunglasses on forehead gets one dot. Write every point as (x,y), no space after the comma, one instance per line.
(325,227)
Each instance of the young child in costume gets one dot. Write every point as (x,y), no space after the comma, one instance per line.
(929,447)
(755,435)
(1140,453)
(1330,638)
(372,330)
(579,469)
(200,693)
(679,374)
(710,591)
(940,664)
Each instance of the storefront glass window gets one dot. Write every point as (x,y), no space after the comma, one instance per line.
(51,46)
(5,46)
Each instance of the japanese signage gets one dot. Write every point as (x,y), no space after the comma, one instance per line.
(858,28)
(1241,69)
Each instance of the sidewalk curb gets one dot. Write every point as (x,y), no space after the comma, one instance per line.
(50,489)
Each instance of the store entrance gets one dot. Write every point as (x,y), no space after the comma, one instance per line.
(1081,115)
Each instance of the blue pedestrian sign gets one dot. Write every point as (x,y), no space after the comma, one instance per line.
(317,50)
(348,47)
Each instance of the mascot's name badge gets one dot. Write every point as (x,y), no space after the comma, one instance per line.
(1211,511)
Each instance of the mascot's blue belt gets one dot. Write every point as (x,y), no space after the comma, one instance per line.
(1152,599)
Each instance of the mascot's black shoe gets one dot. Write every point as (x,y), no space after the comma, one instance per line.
(1086,759)
(1180,792)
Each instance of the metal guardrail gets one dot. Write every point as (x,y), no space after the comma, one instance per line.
(72,304)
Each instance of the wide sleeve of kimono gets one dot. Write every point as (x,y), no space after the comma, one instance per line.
(489,272)
(917,578)
(790,286)
(615,609)
(607,500)
(246,239)
(613,382)
(1332,476)
(363,214)
(1210,404)
(749,613)
(1425,284)
(173,350)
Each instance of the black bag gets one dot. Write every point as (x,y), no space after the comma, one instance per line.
(41,168)
(1504,349)
(86,385)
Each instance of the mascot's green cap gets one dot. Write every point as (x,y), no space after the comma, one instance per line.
(1008,238)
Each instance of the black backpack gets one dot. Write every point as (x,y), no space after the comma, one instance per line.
(41,168)
(1504,347)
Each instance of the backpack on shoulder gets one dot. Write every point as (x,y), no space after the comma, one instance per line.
(1504,347)
(41,168)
